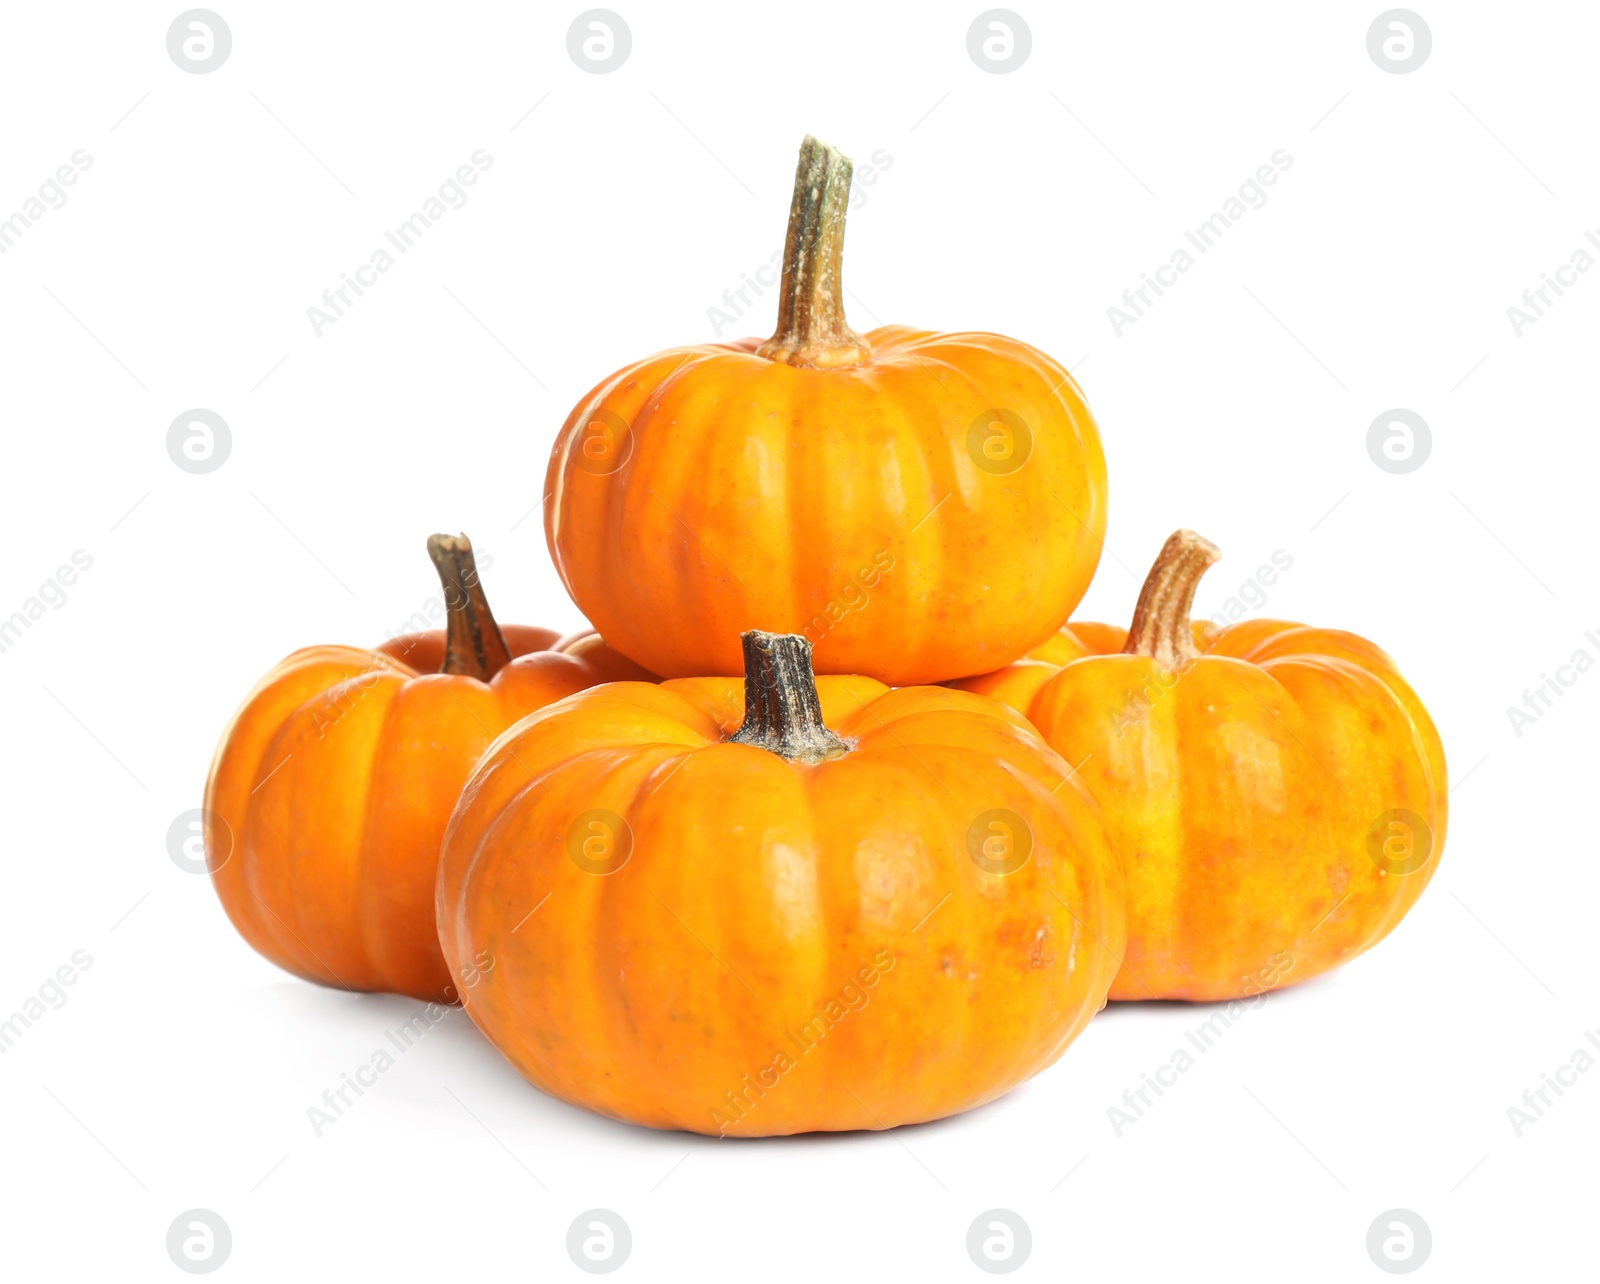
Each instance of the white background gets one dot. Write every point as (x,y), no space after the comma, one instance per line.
(1378,275)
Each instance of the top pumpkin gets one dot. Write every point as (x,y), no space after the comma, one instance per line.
(920,506)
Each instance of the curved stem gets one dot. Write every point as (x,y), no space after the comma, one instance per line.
(1160,627)
(782,712)
(811,329)
(473,646)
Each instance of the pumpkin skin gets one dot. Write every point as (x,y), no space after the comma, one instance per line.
(758,893)
(874,494)
(1247,785)
(335,780)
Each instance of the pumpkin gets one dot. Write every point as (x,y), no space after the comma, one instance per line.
(1277,792)
(786,905)
(918,505)
(331,788)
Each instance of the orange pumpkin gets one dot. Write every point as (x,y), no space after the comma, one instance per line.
(1277,792)
(920,506)
(330,791)
(768,926)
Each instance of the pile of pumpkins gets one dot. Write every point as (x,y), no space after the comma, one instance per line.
(832,823)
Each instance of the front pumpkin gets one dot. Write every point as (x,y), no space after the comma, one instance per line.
(920,506)
(768,928)
(1277,793)
(330,790)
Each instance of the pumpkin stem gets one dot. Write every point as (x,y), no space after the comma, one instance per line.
(473,646)
(1160,627)
(811,329)
(782,712)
